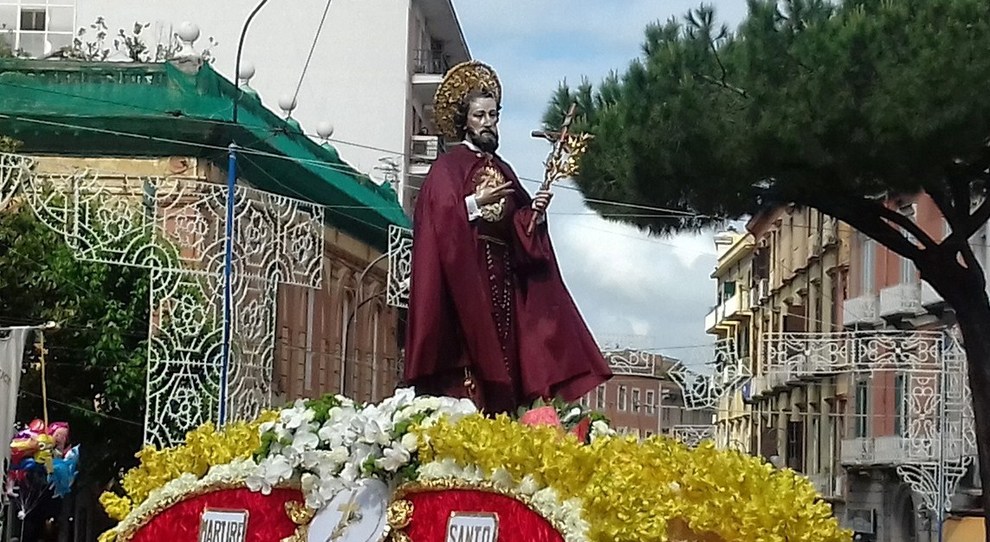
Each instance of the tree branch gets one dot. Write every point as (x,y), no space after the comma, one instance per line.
(906,223)
(865,216)
(943,202)
(722,84)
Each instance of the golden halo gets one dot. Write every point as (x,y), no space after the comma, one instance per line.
(460,80)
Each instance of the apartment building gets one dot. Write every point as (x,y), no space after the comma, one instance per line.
(857,378)
(643,400)
(911,415)
(731,319)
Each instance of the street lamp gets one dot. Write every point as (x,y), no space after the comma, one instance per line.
(229,230)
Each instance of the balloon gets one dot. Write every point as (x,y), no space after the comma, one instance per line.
(64,472)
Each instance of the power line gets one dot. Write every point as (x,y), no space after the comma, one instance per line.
(174,114)
(83,409)
(312,49)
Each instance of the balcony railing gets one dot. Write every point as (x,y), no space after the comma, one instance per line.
(431,62)
(424,149)
(729,310)
(901,300)
(862,310)
(896,450)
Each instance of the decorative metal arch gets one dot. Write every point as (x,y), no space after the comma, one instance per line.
(704,391)
(174,227)
(399,266)
(693,435)
(940,438)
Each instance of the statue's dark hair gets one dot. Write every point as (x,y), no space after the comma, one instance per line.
(461,114)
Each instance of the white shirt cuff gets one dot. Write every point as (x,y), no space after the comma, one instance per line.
(540,217)
(473,211)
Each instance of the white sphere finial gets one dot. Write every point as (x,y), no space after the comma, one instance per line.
(188,32)
(246,72)
(287,103)
(324,129)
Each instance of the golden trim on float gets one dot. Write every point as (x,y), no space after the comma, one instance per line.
(460,80)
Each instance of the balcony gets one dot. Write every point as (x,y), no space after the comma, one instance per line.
(861,311)
(730,310)
(901,300)
(895,450)
(428,69)
(423,151)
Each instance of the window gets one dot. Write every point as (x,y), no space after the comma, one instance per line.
(900,396)
(33,19)
(868,259)
(600,397)
(647,434)
(728,290)
(795,446)
(636,405)
(651,401)
(862,403)
(623,398)
(36,30)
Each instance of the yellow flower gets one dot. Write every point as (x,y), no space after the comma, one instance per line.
(204,447)
(657,489)
(117,507)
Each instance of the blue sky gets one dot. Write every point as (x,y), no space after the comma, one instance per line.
(643,291)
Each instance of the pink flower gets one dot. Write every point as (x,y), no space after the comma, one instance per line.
(545,415)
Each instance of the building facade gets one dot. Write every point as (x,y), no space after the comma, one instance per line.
(643,400)
(371,75)
(893,408)
(306,330)
(857,380)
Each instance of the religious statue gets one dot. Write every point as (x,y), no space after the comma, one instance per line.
(489,315)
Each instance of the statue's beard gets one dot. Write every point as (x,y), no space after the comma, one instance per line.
(486,140)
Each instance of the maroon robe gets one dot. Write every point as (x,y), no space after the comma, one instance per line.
(549,351)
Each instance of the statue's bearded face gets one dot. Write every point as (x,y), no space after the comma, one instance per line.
(481,125)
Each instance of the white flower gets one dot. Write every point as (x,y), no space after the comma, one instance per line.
(399,400)
(546,498)
(528,486)
(571,414)
(272,471)
(296,416)
(306,438)
(600,429)
(410,442)
(502,479)
(266,427)
(393,459)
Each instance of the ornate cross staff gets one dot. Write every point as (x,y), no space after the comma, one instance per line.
(562,162)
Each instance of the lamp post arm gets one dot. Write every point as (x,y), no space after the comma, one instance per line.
(240,51)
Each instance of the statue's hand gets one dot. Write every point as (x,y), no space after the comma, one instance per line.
(542,200)
(493,194)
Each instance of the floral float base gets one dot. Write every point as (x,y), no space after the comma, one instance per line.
(571,481)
